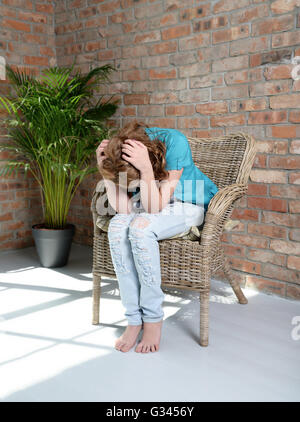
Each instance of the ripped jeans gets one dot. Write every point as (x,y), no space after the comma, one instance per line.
(133,241)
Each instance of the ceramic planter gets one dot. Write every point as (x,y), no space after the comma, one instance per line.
(53,245)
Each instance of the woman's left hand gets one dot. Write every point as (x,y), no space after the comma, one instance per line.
(137,154)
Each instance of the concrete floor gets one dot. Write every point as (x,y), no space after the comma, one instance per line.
(51,352)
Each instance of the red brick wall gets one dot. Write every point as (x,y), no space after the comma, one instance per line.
(27,42)
(207,68)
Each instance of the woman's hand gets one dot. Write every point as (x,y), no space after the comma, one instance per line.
(137,154)
(100,152)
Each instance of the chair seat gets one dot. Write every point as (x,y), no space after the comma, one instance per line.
(193,233)
(102,221)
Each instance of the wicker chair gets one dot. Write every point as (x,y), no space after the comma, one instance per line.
(187,264)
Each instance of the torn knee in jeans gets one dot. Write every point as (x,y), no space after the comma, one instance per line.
(140,222)
(136,236)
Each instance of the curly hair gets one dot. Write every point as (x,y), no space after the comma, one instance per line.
(113,164)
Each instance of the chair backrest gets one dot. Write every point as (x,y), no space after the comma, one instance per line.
(226,159)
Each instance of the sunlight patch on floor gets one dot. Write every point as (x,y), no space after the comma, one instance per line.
(40,361)
(53,278)
(51,351)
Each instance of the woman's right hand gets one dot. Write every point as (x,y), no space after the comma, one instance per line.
(100,151)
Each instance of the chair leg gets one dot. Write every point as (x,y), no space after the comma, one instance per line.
(204,316)
(234,283)
(96,298)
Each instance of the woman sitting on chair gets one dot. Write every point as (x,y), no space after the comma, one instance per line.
(173,196)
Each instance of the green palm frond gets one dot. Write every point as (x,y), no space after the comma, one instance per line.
(19,78)
(8,105)
(101,112)
(13,166)
(54,127)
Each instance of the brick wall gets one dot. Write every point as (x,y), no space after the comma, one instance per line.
(207,68)
(26,42)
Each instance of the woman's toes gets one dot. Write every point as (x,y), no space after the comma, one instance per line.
(125,348)
(117,345)
(138,348)
(146,348)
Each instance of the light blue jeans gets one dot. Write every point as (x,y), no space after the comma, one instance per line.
(133,241)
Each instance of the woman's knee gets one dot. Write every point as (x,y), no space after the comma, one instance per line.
(139,226)
(139,229)
(195,216)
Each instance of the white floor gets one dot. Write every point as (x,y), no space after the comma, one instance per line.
(50,351)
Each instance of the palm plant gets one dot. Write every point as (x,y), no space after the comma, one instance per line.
(55,129)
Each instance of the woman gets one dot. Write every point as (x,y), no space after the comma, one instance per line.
(173,196)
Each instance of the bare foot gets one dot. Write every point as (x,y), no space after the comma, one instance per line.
(151,337)
(128,338)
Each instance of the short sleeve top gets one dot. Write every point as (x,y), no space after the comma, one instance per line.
(193,186)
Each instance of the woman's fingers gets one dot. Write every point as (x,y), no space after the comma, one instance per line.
(101,147)
(103,144)
(99,152)
(100,155)
(129,145)
(132,142)
(135,142)
(127,149)
(126,157)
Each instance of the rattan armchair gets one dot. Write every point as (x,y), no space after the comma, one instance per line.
(187,264)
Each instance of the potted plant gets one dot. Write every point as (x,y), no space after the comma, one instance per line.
(55,129)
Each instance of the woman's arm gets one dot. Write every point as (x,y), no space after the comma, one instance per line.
(155,198)
(118,197)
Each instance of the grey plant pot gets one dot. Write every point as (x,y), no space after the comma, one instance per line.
(53,245)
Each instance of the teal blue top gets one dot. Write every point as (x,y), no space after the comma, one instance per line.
(193,185)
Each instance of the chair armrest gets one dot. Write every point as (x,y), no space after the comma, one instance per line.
(218,212)
(99,191)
